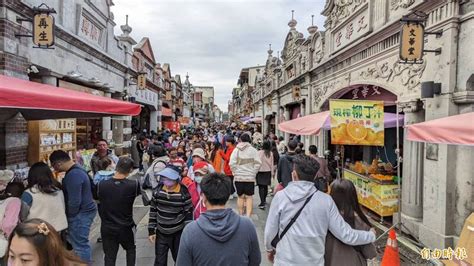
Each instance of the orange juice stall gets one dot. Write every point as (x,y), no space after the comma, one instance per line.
(363,135)
(368,155)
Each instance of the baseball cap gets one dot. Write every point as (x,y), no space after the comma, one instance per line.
(170,173)
(199,152)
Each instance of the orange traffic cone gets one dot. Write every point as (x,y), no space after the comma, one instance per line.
(391,256)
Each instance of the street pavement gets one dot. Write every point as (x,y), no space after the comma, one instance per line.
(146,250)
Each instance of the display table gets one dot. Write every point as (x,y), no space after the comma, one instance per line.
(380,197)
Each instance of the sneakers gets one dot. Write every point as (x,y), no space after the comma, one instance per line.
(261,206)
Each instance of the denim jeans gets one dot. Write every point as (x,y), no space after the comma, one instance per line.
(79,228)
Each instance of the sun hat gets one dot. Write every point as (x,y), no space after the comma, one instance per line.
(199,152)
(170,173)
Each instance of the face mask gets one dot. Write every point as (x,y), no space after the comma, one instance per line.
(169,183)
(198,179)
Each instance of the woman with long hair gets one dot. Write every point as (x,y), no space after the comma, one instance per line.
(276,158)
(35,242)
(216,158)
(45,197)
(344,195)
(265,173)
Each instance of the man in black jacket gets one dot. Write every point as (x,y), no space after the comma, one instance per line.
(285,164)
(116,196)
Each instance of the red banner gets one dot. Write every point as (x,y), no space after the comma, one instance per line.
(173,126)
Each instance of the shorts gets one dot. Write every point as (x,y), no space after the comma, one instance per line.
(245,188)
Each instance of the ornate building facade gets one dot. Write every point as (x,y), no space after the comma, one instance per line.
(357,57)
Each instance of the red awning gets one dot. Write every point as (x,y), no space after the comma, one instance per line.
(166,111)
(42,101)
(305,125)
(456,129)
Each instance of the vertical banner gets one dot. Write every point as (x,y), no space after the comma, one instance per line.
(356,122)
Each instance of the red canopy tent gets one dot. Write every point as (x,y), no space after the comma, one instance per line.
(457,129)
(42,101)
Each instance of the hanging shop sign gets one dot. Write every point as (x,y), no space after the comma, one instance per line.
(357,122)
(412,38)
(141,81)
(43,30)
(296,92)
(412,42)
(269,102)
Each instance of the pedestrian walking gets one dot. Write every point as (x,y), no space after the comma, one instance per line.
(116,196)
(171,208)
(245,164)
(199,155)
(80,206)
(200,169)
(219,236)
(10,212)
(265,173)
(285,164)
(216,158)
(45,198)
(177,161)
(337,253)
(276,159)
(229,148)
(102,151)
(35,242)
(282,147)
(300,217)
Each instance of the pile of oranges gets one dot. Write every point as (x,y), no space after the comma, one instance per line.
(356,133)
(382,177)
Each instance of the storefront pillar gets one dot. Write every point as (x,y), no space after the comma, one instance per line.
(412,185)
(154,121)
(107,124)
(287,118)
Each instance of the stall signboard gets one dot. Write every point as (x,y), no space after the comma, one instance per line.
(357,122)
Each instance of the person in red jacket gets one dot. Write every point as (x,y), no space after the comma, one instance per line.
(230,145)
(200,169)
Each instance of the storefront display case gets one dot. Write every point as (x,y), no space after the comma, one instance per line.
(46,136)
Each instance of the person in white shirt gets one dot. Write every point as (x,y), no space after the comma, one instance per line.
(304,241)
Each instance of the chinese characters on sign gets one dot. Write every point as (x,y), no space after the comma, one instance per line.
(357,122)
(365,92)
(412,42)
(141,81)
(89,30)
(43,30)
(351,31)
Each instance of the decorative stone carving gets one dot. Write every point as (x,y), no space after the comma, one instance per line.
(324,90)
(410,107)
(317,48)
(409,75)
(396,4)
(343,9)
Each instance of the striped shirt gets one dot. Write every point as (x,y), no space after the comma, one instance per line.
(169,210)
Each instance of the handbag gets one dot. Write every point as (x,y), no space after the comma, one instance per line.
(278,237)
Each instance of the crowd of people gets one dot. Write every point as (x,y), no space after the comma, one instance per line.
(187,178)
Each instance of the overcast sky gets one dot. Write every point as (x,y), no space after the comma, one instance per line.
(214,39)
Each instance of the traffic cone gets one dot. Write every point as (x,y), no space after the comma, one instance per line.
(391,256)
